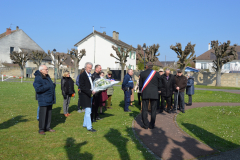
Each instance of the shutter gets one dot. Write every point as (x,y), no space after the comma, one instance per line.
(130,55)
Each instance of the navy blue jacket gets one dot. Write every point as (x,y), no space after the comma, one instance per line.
(45,89)
(190,86)
(127,82)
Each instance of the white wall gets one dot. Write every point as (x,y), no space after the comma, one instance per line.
(103,49)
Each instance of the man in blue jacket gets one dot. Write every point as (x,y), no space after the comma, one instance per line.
(45,90)
(127,87)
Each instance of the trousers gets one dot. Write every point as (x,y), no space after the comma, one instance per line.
(109,101)
(145,121)
(87,117)
(45,115)
(139,98)
(95,105)
(127,99)
(180,102)
(66,103)
(168,100)
(189,99)
(158,101)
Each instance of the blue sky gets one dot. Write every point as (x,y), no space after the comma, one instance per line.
(62,23)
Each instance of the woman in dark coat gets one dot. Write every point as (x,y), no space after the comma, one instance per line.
(67,87)
(190,88)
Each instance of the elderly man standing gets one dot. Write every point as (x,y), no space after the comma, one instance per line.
(45,90)
(167,89)
(149,84)
(86,94)
(180,85)
(127,87)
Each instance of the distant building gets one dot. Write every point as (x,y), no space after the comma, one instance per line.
(205,61)
(18,40)
(98,48)
(168,63)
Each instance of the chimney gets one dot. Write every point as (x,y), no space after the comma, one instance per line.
(115,35)
(208,46)
(8,31)
(17,28)
(104,33)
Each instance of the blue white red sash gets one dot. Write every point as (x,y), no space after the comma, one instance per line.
(149,78)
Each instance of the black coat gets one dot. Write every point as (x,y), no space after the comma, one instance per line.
(151,91)
(67,86)
(167,85)
(85,95)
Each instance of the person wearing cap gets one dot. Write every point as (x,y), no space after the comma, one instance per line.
(127,87)
(180,85)
(167,89)
(149,84)
(161,72)
(110,90)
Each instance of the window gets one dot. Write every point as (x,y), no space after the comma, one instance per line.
(130,55)
(203,65)
(227,66)
(11,50)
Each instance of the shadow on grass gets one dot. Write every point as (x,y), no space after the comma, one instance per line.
(73,150)
(72,108)
(120,142)
(13,121)
(210,138)
(57,117)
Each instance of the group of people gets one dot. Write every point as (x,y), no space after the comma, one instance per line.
(153,87)
(89,102)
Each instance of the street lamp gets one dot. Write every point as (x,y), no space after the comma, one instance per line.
(144,49)
(55,75)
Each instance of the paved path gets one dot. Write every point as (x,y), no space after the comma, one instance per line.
(169,142)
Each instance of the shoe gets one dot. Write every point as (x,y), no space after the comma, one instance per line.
(98,118)
(79,111)
(92,130)
(183,111)
(128,111)
(42,133)
(51,130)
(151,127)
(109,107)
(188,104)
(94,120)
(66,115)
(168,111)
(174,111)
(38,119)
(161,111)
(131,105)
(144,127)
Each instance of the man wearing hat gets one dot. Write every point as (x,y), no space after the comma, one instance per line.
(161,72)
(149,85)
(180,85)
(110,90)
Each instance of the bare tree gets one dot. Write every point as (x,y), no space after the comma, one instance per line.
(59,57)
(151,53)
(185,56)
(122,54)
(76,57)
(224,53)
(37,57)
(21,59)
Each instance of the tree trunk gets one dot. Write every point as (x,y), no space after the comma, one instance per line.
(122,72)
(218,77)
(22,71)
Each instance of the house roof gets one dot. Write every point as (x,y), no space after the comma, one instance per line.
(47,58)
(4,34)
(68,62)
(117,42)
(209,55)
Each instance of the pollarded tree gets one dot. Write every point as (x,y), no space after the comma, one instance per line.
(151,53)
(21,59)
(59,57)
(224,53)
(76,57)
(122,54)
(185,56)
(37,57)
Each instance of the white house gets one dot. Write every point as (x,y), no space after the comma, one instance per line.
(98,48)
(18,40)
(205,61)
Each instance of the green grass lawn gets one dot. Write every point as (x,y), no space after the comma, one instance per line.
(19,138)
(217,127)
(214,87)
(114,138)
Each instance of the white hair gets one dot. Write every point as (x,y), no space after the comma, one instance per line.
(88,64)
(189,74)
(41,67)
